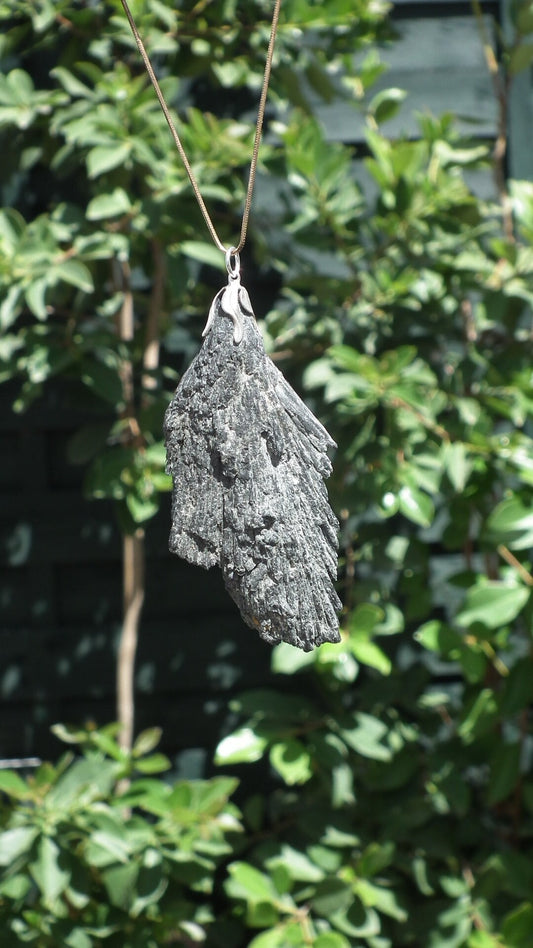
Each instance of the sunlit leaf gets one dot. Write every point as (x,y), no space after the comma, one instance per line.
(493,603)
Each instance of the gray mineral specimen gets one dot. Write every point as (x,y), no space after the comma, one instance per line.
(248,459)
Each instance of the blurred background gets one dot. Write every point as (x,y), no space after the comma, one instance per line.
(389,263)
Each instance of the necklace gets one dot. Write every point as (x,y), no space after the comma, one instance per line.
(247,456)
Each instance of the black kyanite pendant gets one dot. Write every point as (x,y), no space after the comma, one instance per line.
(248,461)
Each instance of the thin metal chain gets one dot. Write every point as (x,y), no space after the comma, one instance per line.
(179,146)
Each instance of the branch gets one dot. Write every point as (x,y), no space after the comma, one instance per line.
(125,332)
(133,554)
(152,339)
(133,576)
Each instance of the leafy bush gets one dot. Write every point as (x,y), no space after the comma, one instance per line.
(86,860)
(401,809)
(104,218)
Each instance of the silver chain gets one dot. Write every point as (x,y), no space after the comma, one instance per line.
(179,146)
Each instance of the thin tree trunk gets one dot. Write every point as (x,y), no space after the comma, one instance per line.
(153,322)
(133,544)
(133,579)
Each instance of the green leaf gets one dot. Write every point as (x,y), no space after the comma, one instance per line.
(275,938)
(331,940)
(348,358)
(156,454)
(85,779)
(367,736)
(297,864)
(493,604)
(146,741)
(105,381)
(522,16)
(517,927)
(15,842)
(511,523)
(479,718)
(10,307)
(261,915)
(457,465)
(204,252)
(386,104)
(69,733)
(43,16)
(248,883)
(151,885)
(35,296)
(141,508)
(332,895)
(416,506)
(292,761)
(376,857)
(76,273)
(384,900)
(106,848)
(78,939)
(521,58)
(120,882)
(243,746)
(438,637)
(364,618)
(71,83)
(15,887)
(484,940)
(504,772)
(104,158)
(517,692)
(103,206)
(13,785)
(107,743)
(368,653)
(288,660)
(50,869)
(154,764)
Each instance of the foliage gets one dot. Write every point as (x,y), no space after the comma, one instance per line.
(103,210)
(400,808)
(405,815)
(85,861)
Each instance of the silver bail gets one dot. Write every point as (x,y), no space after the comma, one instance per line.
(233,263)
(233,299)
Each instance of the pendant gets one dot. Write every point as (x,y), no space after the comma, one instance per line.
(248,461)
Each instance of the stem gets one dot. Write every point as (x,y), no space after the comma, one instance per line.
(133,578)
(125,331)
(152,333)
(132,544)
(509,557)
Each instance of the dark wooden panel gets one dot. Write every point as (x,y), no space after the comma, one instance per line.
(15,604)
(440,64)
(205,652)
(191,724)
(8,460)
(64,405)
(60,526)
(184,676)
